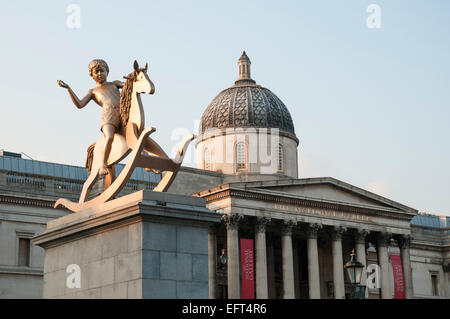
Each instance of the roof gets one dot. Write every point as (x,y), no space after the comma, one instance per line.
(32,167)
(244,106)
(433,221)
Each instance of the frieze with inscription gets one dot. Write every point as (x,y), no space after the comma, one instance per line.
(321,212)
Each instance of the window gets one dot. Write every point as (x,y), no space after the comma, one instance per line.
(434,284)
(207,159)
(24,252)
(280,158)
(241,160)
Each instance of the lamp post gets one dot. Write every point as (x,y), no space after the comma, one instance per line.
(354,270)
(223,258)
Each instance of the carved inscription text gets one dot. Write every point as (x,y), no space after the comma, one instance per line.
(324,213)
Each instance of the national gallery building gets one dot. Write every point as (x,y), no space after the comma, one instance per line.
(279,236)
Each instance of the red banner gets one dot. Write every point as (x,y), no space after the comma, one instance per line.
(399,282)
(247,269)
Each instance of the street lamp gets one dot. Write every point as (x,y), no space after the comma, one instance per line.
(223,258)
(354,270)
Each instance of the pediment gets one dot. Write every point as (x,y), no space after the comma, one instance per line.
(329,189)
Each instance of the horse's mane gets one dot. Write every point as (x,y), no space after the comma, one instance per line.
(125,98)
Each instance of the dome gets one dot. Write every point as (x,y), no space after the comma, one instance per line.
(237,127)
(245,105)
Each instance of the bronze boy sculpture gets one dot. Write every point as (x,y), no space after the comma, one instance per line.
(107,95)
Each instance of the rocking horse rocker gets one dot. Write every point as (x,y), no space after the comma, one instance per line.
(130,138)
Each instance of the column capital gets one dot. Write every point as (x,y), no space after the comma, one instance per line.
(446,267)
(336,232)
(360,235)
(312,230)
(403,241)
(261,223)
(288,224)
(383,239)
(212,229)
(232,221)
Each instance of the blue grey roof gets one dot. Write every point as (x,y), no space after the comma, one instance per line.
(139,174)
(431,221)
(27,166)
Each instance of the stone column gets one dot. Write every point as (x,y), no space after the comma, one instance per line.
(446,269)
(383,240)
(271,268)
(3,179)
(404,243)
(212,262)
(232,223)
(262,291)
(313,261)
(295,249)
(360,243)
(287,260)
(338,263)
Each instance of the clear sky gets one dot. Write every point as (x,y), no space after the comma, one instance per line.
(371,106)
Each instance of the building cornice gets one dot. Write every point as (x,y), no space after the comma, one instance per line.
(21,271)
(27,200)
(218,132)
(230,190)
(439,247)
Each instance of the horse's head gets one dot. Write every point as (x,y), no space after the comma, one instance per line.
(142,83)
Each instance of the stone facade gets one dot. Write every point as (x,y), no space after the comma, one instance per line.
(22,217)
(328,220)
(430,256)
(260,157)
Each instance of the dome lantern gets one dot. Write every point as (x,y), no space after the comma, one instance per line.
(244,70)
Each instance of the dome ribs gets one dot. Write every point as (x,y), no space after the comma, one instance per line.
(259,109)
(240,107)
(223,110)
(250,115)
(209,117)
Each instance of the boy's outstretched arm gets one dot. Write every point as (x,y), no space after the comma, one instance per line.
(78,103)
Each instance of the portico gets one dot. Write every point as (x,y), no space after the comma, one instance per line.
(304,231)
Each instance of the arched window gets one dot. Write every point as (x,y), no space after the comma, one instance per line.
(207,159)
(280,158)
(241,158)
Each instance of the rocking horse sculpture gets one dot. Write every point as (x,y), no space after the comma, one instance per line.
(123,136)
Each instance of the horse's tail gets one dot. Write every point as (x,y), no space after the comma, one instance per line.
(90,157)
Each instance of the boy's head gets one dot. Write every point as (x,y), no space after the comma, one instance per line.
(95,66)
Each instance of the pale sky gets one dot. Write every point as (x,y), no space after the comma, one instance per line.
(371,106)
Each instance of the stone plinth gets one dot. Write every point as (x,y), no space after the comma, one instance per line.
(143,245)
